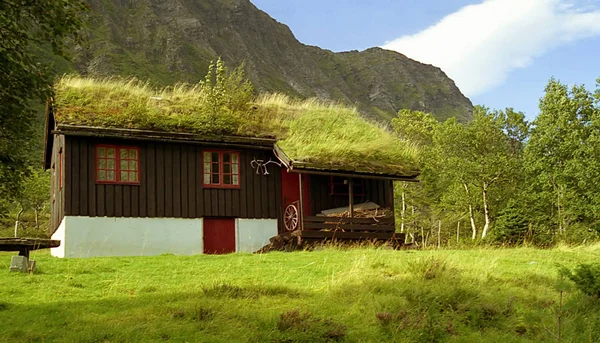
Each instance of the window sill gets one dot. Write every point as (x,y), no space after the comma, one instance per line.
(221,186)
(117,183)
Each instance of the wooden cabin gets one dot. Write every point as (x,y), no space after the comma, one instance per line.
(119,192)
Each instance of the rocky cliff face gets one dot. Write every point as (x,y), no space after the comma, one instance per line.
(174,40)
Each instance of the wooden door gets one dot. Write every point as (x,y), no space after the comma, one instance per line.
(219,235)
(290,187)
(290,192)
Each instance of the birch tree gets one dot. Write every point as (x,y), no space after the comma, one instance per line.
(563,157)
(481,157)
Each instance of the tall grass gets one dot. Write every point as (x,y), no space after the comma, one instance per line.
(333,135)
(348,295)
(310,131)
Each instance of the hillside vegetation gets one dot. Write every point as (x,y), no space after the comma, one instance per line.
(358,295)
(170,41)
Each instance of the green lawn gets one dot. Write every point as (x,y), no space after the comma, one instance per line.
(357,295)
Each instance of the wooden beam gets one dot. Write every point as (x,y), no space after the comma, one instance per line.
(353,174)
(345,235)
(373,221)
(301,205)
(350,227)
(351,197)
(87,131)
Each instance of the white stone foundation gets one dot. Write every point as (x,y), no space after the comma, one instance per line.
(103,236)
(253,234)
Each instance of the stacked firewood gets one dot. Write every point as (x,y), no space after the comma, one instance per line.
(366,213)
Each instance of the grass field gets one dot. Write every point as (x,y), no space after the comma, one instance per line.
(356,295)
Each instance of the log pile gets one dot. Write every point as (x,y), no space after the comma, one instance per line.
(366,213)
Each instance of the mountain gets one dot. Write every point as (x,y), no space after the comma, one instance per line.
(167,41)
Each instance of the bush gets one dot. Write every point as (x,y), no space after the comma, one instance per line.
(586,277)
(511,226)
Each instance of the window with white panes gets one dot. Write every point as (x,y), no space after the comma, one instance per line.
(221,169)
(117,164)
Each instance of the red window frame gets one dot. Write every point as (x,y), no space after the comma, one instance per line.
(221,174)
(117,168)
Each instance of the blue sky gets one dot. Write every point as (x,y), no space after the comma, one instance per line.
(501,53)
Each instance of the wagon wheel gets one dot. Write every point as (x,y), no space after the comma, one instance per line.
(290,217)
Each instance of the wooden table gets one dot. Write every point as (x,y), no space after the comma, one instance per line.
(25,245)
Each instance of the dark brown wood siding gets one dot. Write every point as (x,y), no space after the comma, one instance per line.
(378,191)
(57,193)
(170,184)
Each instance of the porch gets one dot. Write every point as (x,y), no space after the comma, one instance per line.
(346,228)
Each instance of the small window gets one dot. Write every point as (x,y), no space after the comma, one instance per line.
(221,169)
(117,164)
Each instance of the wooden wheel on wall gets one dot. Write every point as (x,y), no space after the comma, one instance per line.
(291,217)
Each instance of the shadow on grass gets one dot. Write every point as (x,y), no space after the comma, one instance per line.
(428,301)
(218,312)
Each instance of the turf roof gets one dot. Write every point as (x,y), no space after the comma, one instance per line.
(318,134)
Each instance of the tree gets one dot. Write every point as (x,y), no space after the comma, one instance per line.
(24,81)
(480,156)
(417,127)
(228,95)
(563,157)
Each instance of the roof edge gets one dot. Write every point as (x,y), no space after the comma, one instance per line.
(92,131)
(306,168)
(48,138)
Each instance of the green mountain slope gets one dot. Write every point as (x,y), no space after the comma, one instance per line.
(174,40)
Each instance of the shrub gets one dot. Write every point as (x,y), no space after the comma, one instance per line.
(428,268)
(304,327)
(586,277)
(511,225)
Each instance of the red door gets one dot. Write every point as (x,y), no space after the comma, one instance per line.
(290,187)
(290,191)
(219,235)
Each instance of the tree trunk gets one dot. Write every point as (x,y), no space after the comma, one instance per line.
(439,234)
(403,211)
(471,215)
(559,210)
(472,218)
(37,222)
(486,212)
(414,226)
(17,222)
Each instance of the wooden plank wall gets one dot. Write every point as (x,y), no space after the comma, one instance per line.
(378,191)
(170,184)
(57,195)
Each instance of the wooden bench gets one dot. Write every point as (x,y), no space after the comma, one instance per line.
(25,245)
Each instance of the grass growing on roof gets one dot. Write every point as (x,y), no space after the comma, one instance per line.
(311,131)
(332,135)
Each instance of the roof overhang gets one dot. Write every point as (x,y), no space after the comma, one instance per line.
(48,139)
(307,168)
(158,136)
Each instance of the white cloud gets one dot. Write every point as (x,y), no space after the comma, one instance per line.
(478,45)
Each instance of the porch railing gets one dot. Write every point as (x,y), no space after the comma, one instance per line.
(348,228)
